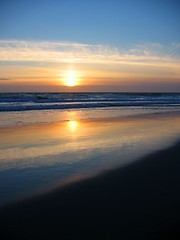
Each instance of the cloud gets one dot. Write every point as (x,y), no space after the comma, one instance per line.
(158,50)
(149,54)
(14,50)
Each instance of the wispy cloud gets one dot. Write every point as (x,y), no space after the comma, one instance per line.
(152,54)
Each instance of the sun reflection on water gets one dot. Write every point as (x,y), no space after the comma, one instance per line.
(72,125)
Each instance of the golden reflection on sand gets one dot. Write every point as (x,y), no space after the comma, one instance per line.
(74,140)
(39,157)
(73,125)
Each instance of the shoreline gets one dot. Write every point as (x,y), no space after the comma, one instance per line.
(140,201)
(58,115)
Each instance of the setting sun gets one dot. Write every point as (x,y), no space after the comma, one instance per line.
(70,79)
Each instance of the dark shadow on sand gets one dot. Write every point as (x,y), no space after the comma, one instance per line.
(140,201)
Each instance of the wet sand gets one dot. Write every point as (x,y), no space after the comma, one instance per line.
(138,201)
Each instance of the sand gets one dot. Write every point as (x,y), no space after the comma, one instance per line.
(138,201)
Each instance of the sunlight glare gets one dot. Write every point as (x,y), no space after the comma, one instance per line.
(72,125)
(70,79)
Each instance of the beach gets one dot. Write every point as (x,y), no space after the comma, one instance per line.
(38,157)
(139,201)
(89,172)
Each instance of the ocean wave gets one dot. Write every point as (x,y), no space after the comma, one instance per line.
(47,101)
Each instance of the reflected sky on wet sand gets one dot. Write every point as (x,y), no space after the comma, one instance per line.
(35,158)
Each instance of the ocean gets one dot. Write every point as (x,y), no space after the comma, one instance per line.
(48,140)
(27,108)
(45,101)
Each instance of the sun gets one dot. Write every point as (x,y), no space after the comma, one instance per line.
(70,79)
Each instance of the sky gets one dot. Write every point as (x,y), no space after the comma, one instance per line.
(96,45)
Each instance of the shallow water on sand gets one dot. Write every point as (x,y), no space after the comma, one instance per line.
(38,157)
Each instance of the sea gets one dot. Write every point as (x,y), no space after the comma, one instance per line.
(45,101)
(48,140)
(50,107)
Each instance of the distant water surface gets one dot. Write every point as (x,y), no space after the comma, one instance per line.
(45,101)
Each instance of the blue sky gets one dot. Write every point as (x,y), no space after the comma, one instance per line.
(135,37)
(113,22)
